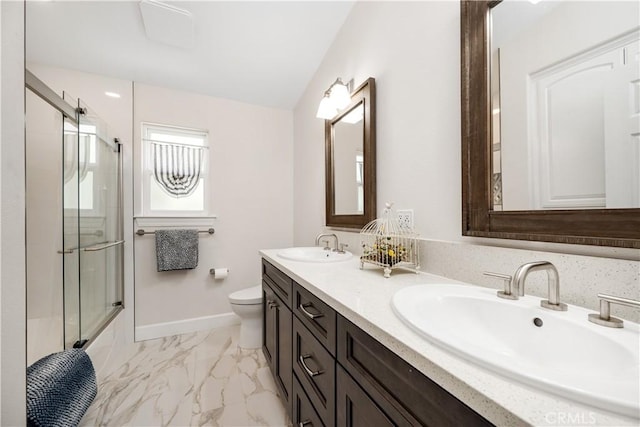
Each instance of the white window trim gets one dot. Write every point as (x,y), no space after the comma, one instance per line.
(147,173)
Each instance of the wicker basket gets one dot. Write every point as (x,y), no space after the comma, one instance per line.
(387,244)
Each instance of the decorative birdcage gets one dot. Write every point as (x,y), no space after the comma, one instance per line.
(387,243)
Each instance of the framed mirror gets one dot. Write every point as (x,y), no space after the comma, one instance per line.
(549,201)
(350,161)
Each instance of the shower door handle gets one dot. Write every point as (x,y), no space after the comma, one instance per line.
(101,246)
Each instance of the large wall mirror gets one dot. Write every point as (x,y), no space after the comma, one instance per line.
(350,159)
(551,121)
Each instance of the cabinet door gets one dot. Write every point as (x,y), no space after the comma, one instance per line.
(277,343)
(354,408)
(269,332)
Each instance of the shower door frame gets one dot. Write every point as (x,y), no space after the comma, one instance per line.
(39,88)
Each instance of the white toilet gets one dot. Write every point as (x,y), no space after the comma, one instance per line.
(247,304)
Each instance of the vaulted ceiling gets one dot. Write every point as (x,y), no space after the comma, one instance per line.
(263,52)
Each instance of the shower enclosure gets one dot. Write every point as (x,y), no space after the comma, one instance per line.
(74,222)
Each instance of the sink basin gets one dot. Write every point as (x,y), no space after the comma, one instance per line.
(314,254)
(566,355)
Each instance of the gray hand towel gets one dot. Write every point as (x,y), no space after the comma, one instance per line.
(176,249)
(60,389)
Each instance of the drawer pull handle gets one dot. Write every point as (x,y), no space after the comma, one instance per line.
(272,304)
(309,314)
(306,368)
(304,423)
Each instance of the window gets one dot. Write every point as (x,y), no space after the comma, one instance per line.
(175,170)
(80,164)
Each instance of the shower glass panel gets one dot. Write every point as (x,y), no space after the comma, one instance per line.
(99,224)
(74,222)
(44,242)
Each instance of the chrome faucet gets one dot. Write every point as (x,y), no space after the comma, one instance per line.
(553,303)
(326,247)
(514,286)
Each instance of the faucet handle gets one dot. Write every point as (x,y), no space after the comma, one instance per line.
(507,293)
(326,245)
(605,318)
(342,246)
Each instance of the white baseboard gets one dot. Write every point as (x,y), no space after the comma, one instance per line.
(159,330)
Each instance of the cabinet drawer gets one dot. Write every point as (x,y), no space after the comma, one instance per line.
(316,369)
(279,282)
(317,316)
(396,385)
(303,412)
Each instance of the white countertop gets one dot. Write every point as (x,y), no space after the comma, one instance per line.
(364,297)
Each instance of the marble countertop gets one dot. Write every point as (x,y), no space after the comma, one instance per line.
(364,297)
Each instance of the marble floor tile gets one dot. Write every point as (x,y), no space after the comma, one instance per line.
(198,379)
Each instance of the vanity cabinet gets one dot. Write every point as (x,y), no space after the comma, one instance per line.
(276,336)
(404,394)
(340,375)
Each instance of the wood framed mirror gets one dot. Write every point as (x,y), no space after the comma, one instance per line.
(618,227)
(350,161)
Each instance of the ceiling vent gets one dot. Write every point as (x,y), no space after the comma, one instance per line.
(167,24)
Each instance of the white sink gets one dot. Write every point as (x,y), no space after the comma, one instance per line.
(567,355)
(314,254)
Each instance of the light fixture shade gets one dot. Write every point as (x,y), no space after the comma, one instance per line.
(340,95)
(326,110)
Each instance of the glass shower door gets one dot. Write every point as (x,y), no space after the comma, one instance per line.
(100,228)
(73,222)
(44,241)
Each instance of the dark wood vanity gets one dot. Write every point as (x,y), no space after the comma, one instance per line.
(330,372)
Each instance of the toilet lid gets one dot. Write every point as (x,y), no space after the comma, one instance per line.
(247,296)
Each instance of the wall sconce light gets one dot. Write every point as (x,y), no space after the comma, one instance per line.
(335,98)
(327,109)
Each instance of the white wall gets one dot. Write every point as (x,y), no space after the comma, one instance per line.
(12,222)
(412,50)
(250,182)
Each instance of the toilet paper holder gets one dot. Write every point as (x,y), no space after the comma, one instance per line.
(212,271)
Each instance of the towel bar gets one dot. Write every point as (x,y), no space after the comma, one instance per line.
(141,232)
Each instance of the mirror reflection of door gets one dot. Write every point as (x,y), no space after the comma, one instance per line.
(565,100)
(348,162)
(622,131)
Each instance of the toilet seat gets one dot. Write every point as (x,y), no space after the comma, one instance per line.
(247,296)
